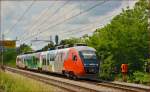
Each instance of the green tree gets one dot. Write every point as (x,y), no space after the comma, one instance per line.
(9,56)
(23,48)
(70,41)
(124,40)
(49,46)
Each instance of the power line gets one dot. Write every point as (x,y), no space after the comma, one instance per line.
(51,16)
(21,17)
(75,30)
(67,19)
(56,19)
(37,20)
(62,16)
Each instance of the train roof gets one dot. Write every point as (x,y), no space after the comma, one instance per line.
(81,48)
(78,48)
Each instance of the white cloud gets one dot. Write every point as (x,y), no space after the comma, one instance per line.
(32,21)
(6,8)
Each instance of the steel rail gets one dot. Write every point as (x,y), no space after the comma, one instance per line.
(73,86)
(59,82)
(125,87)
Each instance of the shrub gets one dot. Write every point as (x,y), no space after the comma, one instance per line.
(10,82)
(140,77)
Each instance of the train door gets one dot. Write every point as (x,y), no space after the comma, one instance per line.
(30,61)
(43,62)
(50,61)
(34,60)
(47,62)
(56,62)
(39,59)
(22,59)
(18,61)
(58,66)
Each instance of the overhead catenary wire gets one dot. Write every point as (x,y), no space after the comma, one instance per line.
(21,17)
(37,20)
(84,27)
(53,21)
(81,30)
(50,16)
(67,19)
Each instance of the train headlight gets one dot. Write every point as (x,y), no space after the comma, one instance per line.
(85,64)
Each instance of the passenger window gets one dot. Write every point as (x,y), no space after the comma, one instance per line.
(44,61)
(47,62)
(74,57)
(67,54)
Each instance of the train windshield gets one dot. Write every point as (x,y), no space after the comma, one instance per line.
(88,57)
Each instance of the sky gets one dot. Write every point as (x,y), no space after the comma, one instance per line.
(29,20)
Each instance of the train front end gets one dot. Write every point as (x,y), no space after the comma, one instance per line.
(89,61)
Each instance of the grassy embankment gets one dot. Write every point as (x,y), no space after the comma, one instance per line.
(10,82)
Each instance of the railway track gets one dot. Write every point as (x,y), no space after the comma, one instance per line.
(125,87)
(81,85)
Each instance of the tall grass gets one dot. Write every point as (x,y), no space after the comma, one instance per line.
(10,82)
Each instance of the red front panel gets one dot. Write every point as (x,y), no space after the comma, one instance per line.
(77,66)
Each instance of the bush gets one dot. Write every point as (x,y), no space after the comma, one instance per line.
(106,71)
(140,77)
(10,82)
(123,40)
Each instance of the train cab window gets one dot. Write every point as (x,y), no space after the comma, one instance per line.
(74,57)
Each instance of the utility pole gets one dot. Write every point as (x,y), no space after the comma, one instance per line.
(1,44)
(2,49)
(50,40)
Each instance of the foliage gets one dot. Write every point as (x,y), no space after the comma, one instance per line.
(125,40)
(47,47)
(11,54)
(24,48)
(15,83)
(140,77)
(9,57)
(106,69)
(70,41)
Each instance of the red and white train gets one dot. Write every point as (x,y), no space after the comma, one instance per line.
(75,62)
